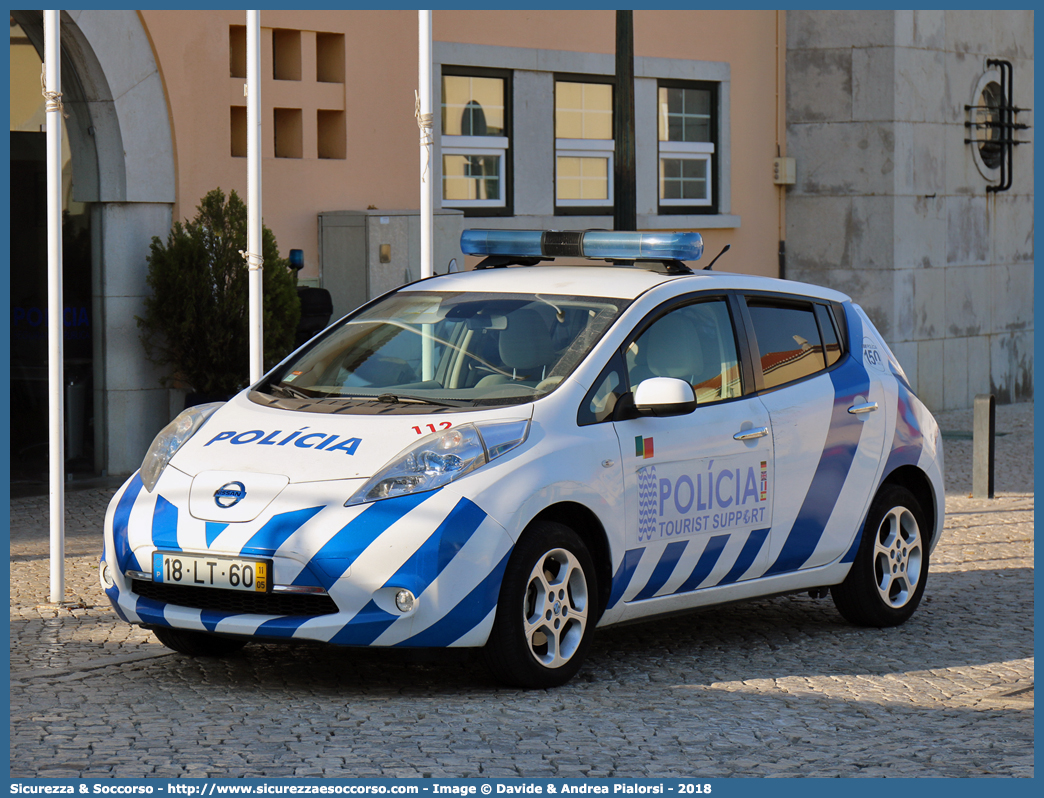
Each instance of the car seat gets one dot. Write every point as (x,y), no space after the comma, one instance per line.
(525,348)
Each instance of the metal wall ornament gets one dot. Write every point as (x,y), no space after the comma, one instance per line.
(992,124)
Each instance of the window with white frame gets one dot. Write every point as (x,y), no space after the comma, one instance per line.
(475,140)
(583,144)
(687,136)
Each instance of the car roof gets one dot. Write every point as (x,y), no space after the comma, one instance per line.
(617,282)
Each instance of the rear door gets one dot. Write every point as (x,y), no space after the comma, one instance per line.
(828,423)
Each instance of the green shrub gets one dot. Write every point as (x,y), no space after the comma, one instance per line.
(195,322)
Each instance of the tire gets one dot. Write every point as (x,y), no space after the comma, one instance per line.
(890,570)
(547,610)
(198,644)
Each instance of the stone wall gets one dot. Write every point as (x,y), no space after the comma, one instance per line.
(890,203)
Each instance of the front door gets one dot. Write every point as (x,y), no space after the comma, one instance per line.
(698,486)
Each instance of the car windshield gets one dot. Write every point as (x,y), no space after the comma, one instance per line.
(454,349)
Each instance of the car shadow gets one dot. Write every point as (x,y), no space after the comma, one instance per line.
(968,618)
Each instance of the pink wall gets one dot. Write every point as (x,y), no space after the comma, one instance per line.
(382,163)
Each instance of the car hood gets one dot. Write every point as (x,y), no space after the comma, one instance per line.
(244,437)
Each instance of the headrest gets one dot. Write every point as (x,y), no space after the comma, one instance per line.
(526,343)
(673,348)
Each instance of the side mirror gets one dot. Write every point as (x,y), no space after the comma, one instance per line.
(664,396)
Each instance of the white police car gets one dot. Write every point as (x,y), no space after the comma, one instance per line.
(506,458)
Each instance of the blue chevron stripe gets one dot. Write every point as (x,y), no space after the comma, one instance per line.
(211,618)
(850,555)
(468,613)
(623,575)
(369,624)
(842,441)
(213,530)
(748,553)
(354,538)
(120,519)
(114,597)
(284,626)
(267,540)
(663,570)
(150,611)
(165,525)
(908,440)
(907,443)
(426,564)
(708,559)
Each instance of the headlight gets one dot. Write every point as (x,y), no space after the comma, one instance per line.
(170,439)
(438,459)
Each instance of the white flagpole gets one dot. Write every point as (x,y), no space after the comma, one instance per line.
(427,174)
(254,249)
(55,344)
(424,121)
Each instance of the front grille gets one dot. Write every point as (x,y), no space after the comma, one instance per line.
(234,601)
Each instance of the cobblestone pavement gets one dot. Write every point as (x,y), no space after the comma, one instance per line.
(779,687)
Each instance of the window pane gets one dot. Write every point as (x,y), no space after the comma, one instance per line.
(568,167)
(582,178)
(697,129)
(685,114)
(583,110)
(788,340)
(472,106)
(831,346)
(601,400)
(471,177)
(694,343)
(683,178)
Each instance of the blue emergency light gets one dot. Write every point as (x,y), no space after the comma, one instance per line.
(519,245)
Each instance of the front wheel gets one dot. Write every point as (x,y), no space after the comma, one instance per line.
(198,644)
(547,609)
(890,570)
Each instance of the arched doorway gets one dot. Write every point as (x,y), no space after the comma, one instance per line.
(118,193)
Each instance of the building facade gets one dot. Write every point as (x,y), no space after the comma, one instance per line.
(908,198)
(523,138)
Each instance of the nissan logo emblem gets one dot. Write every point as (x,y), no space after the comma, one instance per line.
(229,495)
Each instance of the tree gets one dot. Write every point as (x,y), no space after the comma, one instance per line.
(195,321)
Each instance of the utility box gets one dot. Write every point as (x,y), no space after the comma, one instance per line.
(363,254)
(784,171)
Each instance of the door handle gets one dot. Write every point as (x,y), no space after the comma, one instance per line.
(866,407)
(751,434)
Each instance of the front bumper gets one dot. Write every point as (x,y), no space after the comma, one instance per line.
(335,569)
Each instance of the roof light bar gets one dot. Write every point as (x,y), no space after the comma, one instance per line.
(580,244)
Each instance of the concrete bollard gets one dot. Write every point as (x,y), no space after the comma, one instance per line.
(984,428)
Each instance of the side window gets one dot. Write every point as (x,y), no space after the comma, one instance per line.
(694,343)
(600,401)
(788,340)
(831,345)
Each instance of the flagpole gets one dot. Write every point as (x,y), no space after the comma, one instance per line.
(427,175)
(254,249)
(55,343)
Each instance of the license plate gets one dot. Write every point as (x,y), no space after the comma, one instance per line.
(226,573)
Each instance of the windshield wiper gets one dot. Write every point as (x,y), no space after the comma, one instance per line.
(293,393)
(392,398)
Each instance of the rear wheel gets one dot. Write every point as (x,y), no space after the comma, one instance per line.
(890,570)
(198,644)
(547,609)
